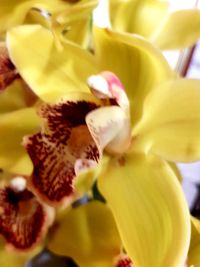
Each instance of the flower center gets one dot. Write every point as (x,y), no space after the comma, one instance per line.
(107,87)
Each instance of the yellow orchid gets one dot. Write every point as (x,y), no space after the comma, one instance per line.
(137,117)
(153,20)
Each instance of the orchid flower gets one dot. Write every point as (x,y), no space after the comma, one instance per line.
(134,117)
(153,20)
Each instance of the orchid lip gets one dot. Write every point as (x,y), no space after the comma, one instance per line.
(61,150)
(19,210)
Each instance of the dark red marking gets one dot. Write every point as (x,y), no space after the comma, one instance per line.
(126,262)
(65,115)
(55,151)
(8,72)
(22,218)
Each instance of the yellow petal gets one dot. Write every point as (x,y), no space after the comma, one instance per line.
(170,126)
(49,71)
(138,65)
(179,30)
(90,236)
(141,17)
(14,126)
(149,208)
(194,252)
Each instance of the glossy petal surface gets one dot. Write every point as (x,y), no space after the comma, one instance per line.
(61,150)
(170,126)
(138,65)
(91,235)
(49,71)
(149,208)
(179,30)
(14,126)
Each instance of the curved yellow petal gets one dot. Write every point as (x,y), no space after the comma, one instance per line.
(194,252)
(141,17)
(179,30)
(14,126)
(49,71)
(170,126)
(149,208)
(135,61)
(90,236)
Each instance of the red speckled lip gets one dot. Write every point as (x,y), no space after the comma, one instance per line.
(22,218)
(55,150)
(8,72)
(125,262)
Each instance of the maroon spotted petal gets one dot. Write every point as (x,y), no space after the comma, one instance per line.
(22,218)
(60,150)
(8,72)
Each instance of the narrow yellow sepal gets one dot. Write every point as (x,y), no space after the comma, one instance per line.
(149,208)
